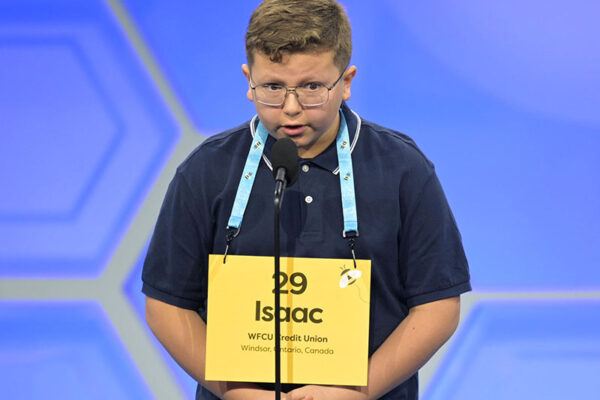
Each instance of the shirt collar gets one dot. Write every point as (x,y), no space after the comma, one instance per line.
(328,158)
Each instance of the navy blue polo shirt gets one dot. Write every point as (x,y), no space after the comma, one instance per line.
(406,226)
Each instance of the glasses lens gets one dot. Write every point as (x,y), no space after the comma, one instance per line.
(272,95)
(312,97)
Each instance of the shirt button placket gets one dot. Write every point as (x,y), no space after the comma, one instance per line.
(305,168)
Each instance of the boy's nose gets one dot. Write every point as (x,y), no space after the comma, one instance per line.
(291,105)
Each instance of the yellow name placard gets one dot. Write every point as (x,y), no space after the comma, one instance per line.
(324,314)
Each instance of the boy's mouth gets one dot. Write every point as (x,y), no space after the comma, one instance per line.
(293,129)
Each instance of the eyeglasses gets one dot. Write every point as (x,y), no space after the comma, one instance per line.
(312,94)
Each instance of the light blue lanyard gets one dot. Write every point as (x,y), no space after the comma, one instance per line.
(342,144)
(346,174)
(247,179)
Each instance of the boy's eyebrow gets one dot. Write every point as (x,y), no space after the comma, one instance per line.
(271,81)
(264,81)
(279,81)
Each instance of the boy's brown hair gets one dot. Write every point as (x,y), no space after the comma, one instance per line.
(279,27)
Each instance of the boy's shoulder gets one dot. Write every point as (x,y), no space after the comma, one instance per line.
(384,140)
(220,147)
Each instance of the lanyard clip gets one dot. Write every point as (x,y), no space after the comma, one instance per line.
(351,236)
(229,236)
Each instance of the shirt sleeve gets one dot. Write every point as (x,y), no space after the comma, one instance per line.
(431,250)
(175,268)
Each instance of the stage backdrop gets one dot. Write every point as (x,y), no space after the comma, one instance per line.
(101,100)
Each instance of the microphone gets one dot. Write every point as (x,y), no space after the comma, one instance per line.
(284,158)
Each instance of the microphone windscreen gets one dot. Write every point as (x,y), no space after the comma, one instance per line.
(284,154)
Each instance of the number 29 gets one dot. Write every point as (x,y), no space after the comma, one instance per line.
(297,280)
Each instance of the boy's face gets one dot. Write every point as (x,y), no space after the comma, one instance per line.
(311,128)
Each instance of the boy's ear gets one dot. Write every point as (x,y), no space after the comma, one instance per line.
(246,72)
(347,79)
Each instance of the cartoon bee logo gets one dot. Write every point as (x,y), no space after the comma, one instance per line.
(349,276)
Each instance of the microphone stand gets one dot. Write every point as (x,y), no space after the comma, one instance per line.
(279,188)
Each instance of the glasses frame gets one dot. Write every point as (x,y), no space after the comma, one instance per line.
(292,89)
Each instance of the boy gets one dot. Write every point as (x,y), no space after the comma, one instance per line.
(299,79)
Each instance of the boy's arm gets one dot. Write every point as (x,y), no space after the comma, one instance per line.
(183,333)
(426,328)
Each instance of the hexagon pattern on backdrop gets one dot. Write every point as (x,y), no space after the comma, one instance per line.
(84,135)
(64,350)
(523,349)
(133,290)
(200,47)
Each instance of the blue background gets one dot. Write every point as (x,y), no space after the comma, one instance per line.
(504,97)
